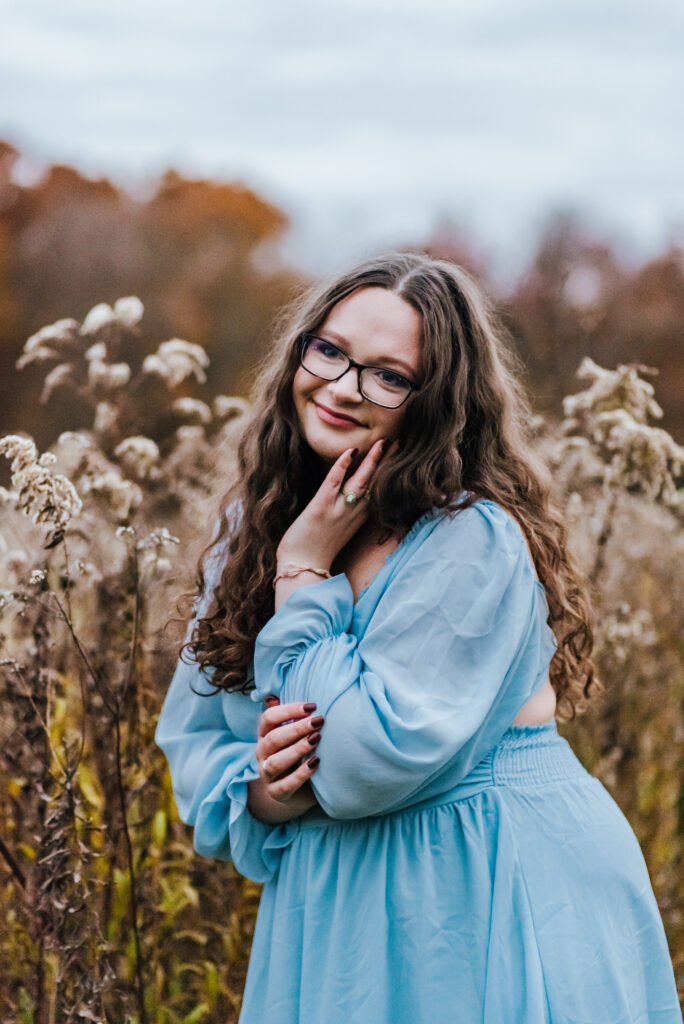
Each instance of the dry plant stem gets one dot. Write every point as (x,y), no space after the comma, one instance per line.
(84,657)
(12,864)
(603,538)
(84,710)
(140,986)
(67,577)
(115,712)
(39,741)
(136,630)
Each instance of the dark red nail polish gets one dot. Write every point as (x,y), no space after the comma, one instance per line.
(314,738)
(313,762)
(317,721)
(309,707)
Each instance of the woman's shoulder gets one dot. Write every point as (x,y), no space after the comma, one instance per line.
(484,522)
(484,533)
(463,560)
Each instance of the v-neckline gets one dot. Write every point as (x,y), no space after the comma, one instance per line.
(389,558)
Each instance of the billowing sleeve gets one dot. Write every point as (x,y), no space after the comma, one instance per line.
(210,768)
(457,644)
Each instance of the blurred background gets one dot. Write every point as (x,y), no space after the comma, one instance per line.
(210,157)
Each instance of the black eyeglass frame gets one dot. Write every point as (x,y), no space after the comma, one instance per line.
(352,364)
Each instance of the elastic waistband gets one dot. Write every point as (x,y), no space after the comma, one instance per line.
(526,755)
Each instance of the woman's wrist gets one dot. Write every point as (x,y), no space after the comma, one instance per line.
(273,812)
(285,585)
(296,570)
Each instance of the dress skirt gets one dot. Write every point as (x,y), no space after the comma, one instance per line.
(520,896)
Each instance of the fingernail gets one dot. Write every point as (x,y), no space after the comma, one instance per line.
(308,707)
(354,452)
(317,721)
(313,762)
(271,701)
(314,738)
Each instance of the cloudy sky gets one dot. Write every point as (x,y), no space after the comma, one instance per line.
(368,120)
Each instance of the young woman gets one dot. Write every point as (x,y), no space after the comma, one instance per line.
(366,725)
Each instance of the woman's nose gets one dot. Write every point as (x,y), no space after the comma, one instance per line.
(346,386)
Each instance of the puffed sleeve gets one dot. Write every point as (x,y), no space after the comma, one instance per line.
(210,766)
(457,644)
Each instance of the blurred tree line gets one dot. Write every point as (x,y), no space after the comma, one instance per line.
(201,256)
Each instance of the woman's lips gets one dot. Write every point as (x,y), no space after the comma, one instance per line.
(328,416)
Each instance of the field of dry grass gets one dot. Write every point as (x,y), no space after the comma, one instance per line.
(108,914)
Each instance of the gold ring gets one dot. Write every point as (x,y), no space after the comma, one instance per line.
(349,497)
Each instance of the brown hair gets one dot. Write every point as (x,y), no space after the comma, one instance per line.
(466,429)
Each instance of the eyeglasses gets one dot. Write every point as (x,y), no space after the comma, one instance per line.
(376,383)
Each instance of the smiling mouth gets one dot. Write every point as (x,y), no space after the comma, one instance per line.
(337,415)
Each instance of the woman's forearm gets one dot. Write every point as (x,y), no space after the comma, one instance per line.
(272,812)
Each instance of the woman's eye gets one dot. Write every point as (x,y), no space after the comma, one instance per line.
(324,349)
(390,378)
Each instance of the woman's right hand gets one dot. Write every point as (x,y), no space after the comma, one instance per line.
(288,735)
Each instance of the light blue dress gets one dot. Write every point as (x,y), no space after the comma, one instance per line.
(458,869)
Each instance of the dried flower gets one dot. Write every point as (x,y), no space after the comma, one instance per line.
(640,458)
(129,310)
(59,376)
(37,576)
(189,437)
(192,411)
(51,342)
(49,498)
(108,376)
(98,351)
(618,447)
(177,360)
(609,390)
(138,456)
(122,496)
(151,550)
(105,418)
(625,628)
(157,539)
(227,408)
(99,316)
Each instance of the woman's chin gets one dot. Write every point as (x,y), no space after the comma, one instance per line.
(329,448)
(328,453)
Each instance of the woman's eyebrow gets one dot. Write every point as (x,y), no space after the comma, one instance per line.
(380,360)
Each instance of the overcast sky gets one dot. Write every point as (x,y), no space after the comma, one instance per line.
(368,120)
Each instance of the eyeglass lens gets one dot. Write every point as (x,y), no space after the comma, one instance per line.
(378,384)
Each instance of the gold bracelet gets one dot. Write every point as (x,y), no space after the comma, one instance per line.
(297,569)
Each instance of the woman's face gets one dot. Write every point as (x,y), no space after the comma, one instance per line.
(376,328)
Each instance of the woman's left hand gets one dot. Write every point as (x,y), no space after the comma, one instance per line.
(328,522)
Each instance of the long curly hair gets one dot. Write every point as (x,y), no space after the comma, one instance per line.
(466,430)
